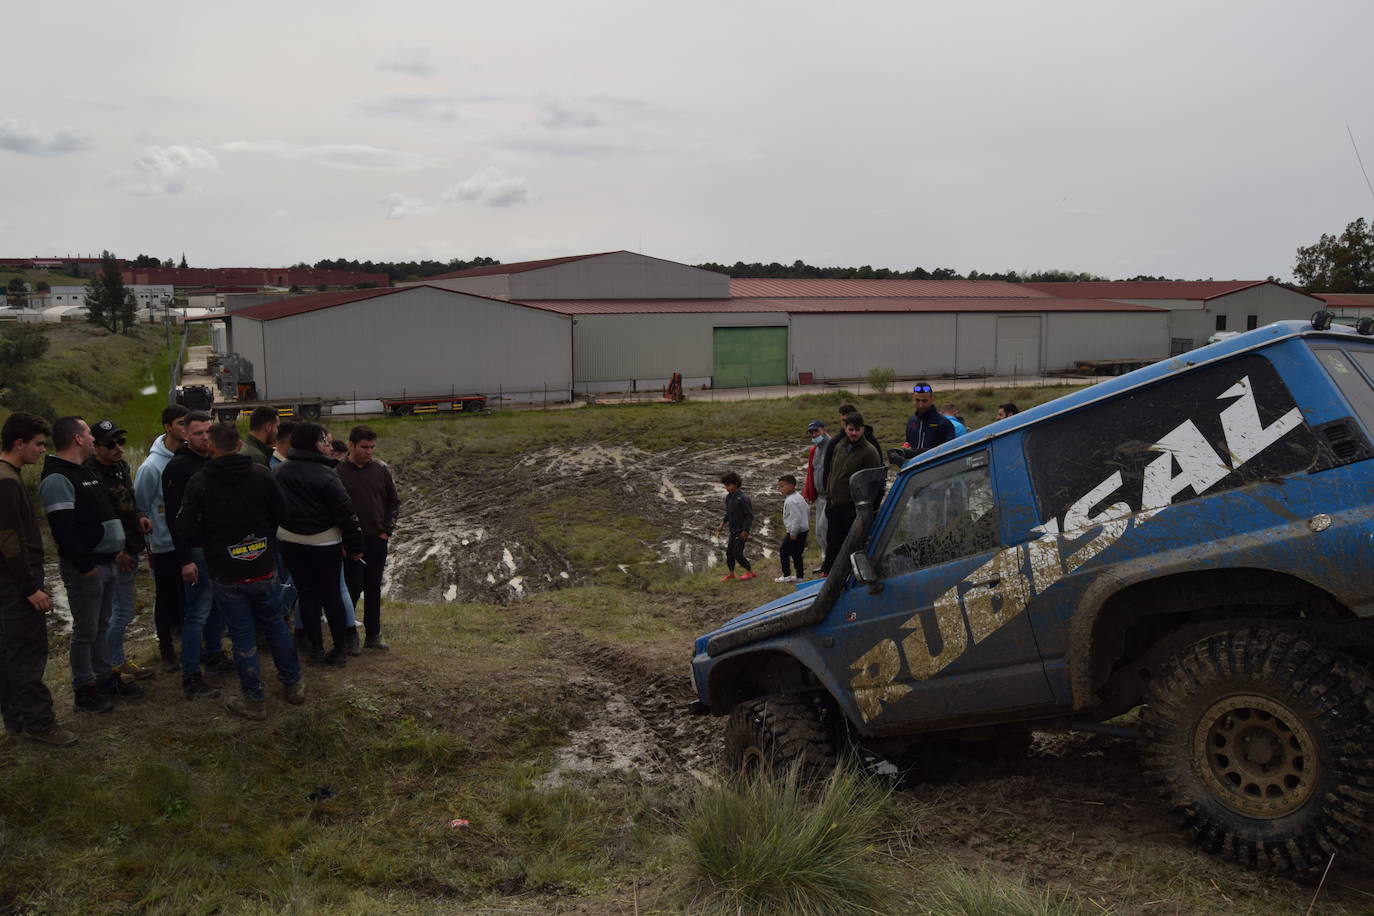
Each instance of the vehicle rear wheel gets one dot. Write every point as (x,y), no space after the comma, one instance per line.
(1261,743)
(474,406)
(310,411)
(773,733)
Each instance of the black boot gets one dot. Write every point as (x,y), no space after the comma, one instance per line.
(338,657)
(352,642)
(170,665)
(374,642)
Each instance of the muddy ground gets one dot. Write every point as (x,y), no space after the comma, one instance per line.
(497,531)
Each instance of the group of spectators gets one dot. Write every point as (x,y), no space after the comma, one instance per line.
(831,461)
(251,538)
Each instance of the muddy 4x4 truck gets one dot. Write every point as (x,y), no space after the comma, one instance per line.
(1194,538)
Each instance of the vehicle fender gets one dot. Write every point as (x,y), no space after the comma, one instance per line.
(805,653)
(1237,552)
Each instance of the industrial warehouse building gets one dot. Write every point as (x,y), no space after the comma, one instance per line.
(637,320)
(1198,308)
(402,340)
(620,320)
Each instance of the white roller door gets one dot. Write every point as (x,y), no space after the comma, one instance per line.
(1018,345)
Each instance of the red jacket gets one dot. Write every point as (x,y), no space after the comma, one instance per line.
(809,488)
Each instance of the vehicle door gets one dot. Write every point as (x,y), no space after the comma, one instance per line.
(940,634)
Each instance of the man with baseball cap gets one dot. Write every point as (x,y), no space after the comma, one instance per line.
(117,480)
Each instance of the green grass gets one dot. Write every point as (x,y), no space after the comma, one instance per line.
(696,423)
(34,277)
(771,845)
(954,891)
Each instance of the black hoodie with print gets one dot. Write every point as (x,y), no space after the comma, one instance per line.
(232,508)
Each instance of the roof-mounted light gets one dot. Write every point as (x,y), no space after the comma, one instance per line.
(1321,320)
(1365,326)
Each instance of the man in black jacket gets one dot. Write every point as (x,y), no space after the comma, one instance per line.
(203,625)
(319,522)
(25,703)
(372,489)
(88,535)
(109,466)
(231,511)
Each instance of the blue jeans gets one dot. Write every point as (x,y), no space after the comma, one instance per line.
(202,621)
(350,613)
(250,608)
(121,613)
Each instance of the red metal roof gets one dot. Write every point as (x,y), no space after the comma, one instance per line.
(299,305)
(855,289)
(519,267)
(1347,300)
(1146,289)
(824,306)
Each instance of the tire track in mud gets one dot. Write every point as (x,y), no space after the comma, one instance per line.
(643,726)
(478,536)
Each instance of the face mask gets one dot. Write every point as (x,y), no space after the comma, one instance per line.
(817,440)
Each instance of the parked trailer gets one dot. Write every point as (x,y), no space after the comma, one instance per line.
(292,408)
(1112,366)
(408,404)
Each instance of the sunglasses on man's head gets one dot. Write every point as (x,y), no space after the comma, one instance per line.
(921,388)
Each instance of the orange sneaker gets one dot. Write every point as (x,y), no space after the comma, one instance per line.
(749,575)
(727,578)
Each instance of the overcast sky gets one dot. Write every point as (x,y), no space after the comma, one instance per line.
(1189,139)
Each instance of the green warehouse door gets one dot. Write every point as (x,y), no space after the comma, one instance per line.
(749,356)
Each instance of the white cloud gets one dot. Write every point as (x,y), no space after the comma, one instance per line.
(353,156)
(399,206)
(22,137)
(165,169)
(410,61)
(436,108)
(556,114)
(490,186)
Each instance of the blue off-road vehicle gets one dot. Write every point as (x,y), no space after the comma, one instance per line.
(1193,538)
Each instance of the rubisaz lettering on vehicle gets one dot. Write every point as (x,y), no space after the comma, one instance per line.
(1189,540)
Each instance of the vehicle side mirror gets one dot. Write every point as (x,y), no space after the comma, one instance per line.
(867,486)
(863,571)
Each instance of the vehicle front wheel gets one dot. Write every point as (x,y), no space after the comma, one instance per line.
(1261,743)
(775,732)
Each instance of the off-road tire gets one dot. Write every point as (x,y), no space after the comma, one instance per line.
(1261,744)
(777,733)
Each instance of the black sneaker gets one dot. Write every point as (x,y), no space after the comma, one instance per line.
(195,688)
(117,687)
(219,663)
(89,699)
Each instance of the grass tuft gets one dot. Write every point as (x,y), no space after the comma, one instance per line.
(775,845)
(955,891)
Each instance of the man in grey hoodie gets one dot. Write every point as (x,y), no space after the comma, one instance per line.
(171,590)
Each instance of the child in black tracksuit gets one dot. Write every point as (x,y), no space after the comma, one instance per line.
(739,516)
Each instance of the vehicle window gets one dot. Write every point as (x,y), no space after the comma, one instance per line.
(946,513)
(1203,431)
(1341,365)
